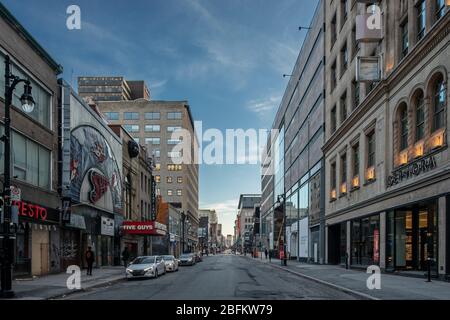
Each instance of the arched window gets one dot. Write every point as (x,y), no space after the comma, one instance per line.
(403,126)
(439,100)
(419,107)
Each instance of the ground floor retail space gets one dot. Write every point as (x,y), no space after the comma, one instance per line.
(406,239)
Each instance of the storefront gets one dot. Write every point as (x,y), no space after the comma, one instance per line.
(365,241)
(37,239)
(135,235)
(412,238)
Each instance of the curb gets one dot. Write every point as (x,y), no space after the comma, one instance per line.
(72,292)
(329,284)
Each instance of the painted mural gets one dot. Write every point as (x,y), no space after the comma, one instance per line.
(95,176)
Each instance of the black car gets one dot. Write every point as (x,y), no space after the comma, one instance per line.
(187,259)
(198,257)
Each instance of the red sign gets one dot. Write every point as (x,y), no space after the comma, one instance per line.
(376,245)
(99,184)
(29,210)
(143,228)
(281,255)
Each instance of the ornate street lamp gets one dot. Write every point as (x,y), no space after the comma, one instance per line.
(11,81)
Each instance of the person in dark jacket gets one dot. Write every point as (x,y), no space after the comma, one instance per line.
(90,258)
(265,253)
(125,256)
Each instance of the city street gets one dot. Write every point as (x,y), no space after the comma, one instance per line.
(217,277)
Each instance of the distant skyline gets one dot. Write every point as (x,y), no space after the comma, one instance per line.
(226,58)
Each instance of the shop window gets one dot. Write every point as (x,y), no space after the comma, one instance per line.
(366,241)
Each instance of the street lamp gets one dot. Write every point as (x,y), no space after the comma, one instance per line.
(279,198)
(11,81)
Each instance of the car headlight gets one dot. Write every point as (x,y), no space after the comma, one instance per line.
(148,269)
(129,270)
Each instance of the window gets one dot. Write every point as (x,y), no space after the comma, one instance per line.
(179,192)
(371,149)
(344,12)
(333,76)
(132,128)
(157,179)
(173,141)
(344,173)
(136,140)
(156,153)
(420,117)
(405,39)
(169,179)
(131,116)
(421,19)
(172,129)
(343,107)
(174,167)
(403,127)
(112,115)
(440,9)
(355,150)
(344,59)
(333,119)
(31,162)
(355,44)
(152,116)
(439,96)
(42,98)
(158,167)
(174,154)
(333,30)
(153,128)
(333,180)
(356,94)
(174,116)
(153,141)
(180,179)
(169,192)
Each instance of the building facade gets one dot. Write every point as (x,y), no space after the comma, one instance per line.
(387,159)
(246,209)
(159,125)
(292,202)
(34,146)
(112,89)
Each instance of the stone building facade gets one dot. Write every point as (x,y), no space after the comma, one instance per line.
(387,160)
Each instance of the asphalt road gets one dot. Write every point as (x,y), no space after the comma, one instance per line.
(220,277)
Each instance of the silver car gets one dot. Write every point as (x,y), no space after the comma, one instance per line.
(146,267)
(171,263)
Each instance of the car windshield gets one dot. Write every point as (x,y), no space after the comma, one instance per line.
(144,260)
(168,258)
(185,256)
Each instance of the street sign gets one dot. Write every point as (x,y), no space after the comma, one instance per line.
(66,212)
(16,193)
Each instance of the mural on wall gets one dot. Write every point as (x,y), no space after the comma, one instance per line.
(95,176)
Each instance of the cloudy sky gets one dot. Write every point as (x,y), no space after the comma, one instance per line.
(226,57)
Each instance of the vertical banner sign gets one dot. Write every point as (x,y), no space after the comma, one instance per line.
(153,199)
(66,210)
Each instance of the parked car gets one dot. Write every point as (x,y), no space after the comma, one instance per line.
(171,263)
(187,259)
(198,257)
(146,267)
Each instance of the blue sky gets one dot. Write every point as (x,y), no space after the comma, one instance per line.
(226,58)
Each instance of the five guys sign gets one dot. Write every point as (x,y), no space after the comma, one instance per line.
(143,228)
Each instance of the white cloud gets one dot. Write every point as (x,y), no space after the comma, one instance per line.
(264,106)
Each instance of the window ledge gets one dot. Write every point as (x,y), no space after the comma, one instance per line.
(369,182)
(354,189)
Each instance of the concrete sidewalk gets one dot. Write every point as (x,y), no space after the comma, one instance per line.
(51,286)
(393,287)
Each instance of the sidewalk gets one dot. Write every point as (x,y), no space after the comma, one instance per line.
(54,285)
(393,287)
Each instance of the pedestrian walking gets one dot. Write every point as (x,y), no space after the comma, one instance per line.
(270,255)
(265,253)
(125,256)
(90,258)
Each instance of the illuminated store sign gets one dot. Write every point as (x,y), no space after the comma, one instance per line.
(412,170)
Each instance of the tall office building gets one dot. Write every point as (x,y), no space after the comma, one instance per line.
(153,123)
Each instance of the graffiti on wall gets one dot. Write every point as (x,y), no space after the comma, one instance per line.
(93,164)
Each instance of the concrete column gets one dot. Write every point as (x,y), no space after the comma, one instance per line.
(442,231)
(383,240)
(349,240)
(326,244)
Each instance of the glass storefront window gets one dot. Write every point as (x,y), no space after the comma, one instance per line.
(304,201)
(366,241)
(292,209)
(343,242)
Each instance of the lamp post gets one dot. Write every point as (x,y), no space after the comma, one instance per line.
(283,197)
(27,101)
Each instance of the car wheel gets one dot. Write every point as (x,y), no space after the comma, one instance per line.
(156,273)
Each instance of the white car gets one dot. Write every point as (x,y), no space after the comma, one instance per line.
(171,263)
(146,267)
